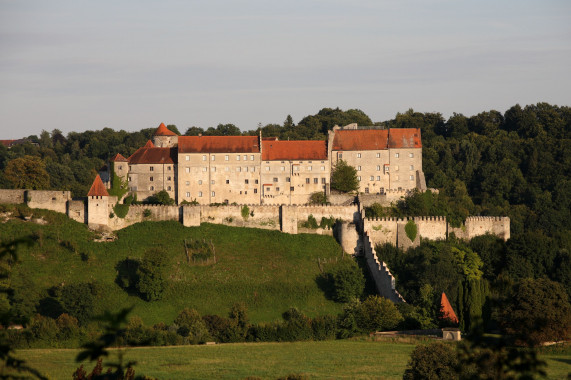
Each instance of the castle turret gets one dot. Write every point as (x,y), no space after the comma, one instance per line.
(165,138)
(97,205)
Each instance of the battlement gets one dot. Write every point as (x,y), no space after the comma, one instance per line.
(384,219)
(488,218)
(429,218)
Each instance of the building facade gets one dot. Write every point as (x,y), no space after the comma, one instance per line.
(256,170)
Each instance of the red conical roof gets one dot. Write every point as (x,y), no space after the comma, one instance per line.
(98,188)
(446,309)
(119,158)
(162,130)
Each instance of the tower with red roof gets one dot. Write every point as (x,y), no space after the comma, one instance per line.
(97,205)
(164,137)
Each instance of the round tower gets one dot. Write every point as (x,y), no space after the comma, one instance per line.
(165,138)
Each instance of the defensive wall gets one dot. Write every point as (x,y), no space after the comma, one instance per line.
(44,199)
(386,197)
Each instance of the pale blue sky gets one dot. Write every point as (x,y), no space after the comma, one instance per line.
(79,65)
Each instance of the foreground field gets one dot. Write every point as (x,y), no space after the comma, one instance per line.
(346,359)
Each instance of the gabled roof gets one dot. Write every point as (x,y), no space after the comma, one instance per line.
(446,309)
(162,130)
(149,144)
(360,139)
(98,188)
(152,155)
(119,158)
(404,138)
(294,150)
(218,144)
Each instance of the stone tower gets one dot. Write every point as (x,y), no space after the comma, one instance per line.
(165,138)
(97,205)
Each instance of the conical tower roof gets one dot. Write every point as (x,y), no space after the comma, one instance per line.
(162,130)
(446,309)
(98,188)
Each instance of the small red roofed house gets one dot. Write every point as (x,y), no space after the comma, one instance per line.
(446,309)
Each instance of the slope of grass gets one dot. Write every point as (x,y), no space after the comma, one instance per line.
(341,359)
(267,270)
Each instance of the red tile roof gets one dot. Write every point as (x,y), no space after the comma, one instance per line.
(7,143)
(119,158)
(149,144)
(294,150)
(98,188)
(404,138)
(218,144)
(152,155)
(360,139)
(446,309)
(162,130)
(376,139)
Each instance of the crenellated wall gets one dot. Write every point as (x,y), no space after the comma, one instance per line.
(481,225)
(259,216)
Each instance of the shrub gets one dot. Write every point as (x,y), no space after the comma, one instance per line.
(78,301)
(324,327)
(327,222)
(121,210)
(296,327)
(311,222)
(146,213)
(347,281)
(318,198)
(191,326)
(378,314)
(161,198)
(150,280)
(433,361)
(411,229)
(245,212)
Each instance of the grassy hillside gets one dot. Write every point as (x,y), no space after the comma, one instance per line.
(267,270)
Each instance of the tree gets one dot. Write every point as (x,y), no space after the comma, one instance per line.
(536,311)
(150,280)
(344,177)
(378,314)
(161,198)
(434,361)
(191,326)
(28,172)
(348,281)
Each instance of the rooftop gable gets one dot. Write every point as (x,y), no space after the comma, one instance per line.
(149,144)
(162,130)
(119,158)
(294,150)
(218,144)
(98,188)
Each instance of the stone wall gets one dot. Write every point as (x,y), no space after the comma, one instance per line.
(259,216)
(77,210)
(12,196)
(384,280)
(340,198)
(348,237)
(381,230)
(347,213)
(136,215)
(481,225)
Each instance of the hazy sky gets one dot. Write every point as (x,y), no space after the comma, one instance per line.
(79,65)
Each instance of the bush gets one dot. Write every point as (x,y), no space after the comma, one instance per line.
(311,222)
(245,212)
(411,230)
(296,327)
(146,213)
(347,281)
(78,300)
(150,280)
(161,198)
(192,327)
(378,314)
(436,361)
(318,198)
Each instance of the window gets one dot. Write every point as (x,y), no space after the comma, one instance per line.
(187,183)
(288,179)
(378,178)
(227,181)
(203,157)
(213,194)
(316,180)
(238,158)
(411,178)
(187,194)
(291,188)
(255,191)
(252,157)
(200,193)
(378,155)
(267,189)
(256,181)
(411,155)
(309,168)
(168,168)
(151,168)
(168,188)
(296,168)
(226,158)
(323,181)
(372,178)
(204,169)
(378,168)
(267,168)
(411,167)
(168,178)
(340,155)
(275,179)
(187,157)
(213,158)
(213,168)
(187,170)
(277,189)
(359,178)
(359,168)
(282,168)
(120,167)
(151,179)
(238,169)
(212,182)
(245,158)
(246,181)
(200,182)
(129,178)
(307,180)
(152,188)
(323,168)
(358,155)
(396,155)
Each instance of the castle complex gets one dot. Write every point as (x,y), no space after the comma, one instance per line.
(257,170)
